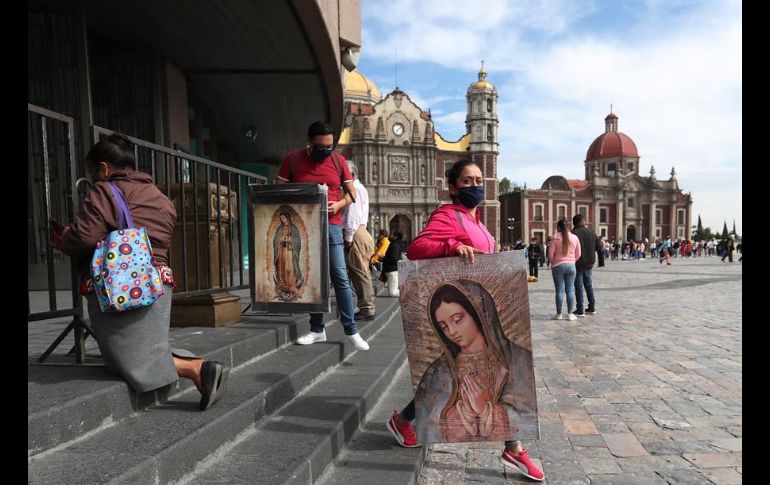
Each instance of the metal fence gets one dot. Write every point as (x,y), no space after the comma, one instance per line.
(52,194)
(207,253)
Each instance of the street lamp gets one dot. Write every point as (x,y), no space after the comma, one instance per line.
(511,223)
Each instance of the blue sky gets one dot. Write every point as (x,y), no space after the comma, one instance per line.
(671,69)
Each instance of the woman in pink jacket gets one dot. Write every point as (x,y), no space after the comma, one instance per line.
(456,230)
(563,252)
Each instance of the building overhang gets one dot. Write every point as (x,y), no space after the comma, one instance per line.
(272,64)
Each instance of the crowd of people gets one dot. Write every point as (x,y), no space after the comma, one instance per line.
(615,250)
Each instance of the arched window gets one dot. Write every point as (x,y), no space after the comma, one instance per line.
(490,133)
(489,105)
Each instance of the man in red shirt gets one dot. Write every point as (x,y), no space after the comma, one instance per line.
(316,163)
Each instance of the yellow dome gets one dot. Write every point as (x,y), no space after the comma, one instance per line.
(483,85)
(360,88)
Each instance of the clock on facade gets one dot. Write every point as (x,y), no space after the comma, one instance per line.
(398,129)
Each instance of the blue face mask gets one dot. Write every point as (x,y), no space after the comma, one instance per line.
(471,196)
(319,153)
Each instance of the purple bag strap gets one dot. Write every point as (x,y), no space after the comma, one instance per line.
(124,214)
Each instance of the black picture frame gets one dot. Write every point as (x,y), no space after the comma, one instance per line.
(304,198)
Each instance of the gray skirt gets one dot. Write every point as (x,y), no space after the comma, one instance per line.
(135,343)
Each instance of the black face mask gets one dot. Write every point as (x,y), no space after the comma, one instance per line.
(471,196)
(319,153)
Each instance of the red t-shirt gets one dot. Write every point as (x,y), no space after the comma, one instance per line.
(308,170)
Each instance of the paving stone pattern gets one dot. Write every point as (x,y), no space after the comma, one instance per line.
(647,391)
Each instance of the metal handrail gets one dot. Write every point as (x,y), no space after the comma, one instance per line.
(173,173)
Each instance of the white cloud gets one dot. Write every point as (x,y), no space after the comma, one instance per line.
(454,119)
(674,77)
(426,103)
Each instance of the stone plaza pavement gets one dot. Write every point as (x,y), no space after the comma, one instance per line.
(647,391)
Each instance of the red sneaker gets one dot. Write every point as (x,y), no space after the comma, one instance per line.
(403,433)
(522,463)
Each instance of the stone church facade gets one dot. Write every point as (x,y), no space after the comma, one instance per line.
(614,199)
(402,159)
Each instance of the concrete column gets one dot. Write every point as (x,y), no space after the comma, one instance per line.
(619,232)
(653,208)
(177,128)
(525,215)
(596,216)
(84,83)
(550,215)
(673,221)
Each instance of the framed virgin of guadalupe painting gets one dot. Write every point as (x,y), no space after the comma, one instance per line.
(469,344)
(289,248)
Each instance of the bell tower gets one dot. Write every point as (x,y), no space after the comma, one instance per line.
(481,122)
(481,119)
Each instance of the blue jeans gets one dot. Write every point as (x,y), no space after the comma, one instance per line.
(564,277)
(584,278)
(339,274)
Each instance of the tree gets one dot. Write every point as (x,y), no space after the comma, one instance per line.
(724,231)
(505,186)
(699,231)
(735,233)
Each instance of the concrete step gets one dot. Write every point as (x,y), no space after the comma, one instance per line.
(167,441)
(65,403)
(299,441)
(373,456)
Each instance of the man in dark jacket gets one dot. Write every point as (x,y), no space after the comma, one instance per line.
(584,265)
(534,252)
(395,251)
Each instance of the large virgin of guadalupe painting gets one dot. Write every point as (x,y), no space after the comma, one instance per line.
(469,345)
(288,251)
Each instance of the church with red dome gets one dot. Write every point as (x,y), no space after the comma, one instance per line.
(614,199)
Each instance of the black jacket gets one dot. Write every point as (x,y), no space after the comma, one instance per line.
(587,247)
(534,252)
(393,256)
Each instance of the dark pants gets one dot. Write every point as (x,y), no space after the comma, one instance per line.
(533,267)
(584,279)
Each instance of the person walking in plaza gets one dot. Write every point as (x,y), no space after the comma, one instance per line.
(564,251)
(600,246)
(395,251)
(584,266)
(359,246)
(728,246)
(534,253)
(665,251)
(317,162)
(134,343)
(542,252)
(456,230)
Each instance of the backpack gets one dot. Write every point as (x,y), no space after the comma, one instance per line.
(123,274)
